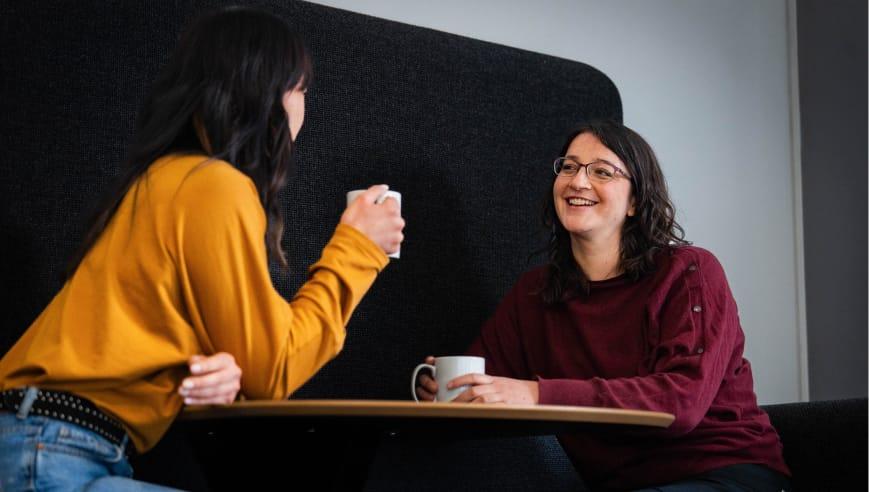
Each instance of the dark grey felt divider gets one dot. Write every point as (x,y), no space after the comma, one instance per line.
(465,129)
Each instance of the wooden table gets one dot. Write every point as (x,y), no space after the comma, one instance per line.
(424,419)
(238,436)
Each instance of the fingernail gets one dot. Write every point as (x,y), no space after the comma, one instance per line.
(182,392)
(188,384)
(188,401)
(195,368)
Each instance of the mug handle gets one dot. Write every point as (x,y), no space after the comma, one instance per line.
(434,371)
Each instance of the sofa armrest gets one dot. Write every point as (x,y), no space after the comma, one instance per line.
(824,442)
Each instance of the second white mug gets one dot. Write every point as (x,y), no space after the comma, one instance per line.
(445,369)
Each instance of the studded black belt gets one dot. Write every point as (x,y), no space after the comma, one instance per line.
(68,407)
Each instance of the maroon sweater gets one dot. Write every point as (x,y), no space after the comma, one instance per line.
(669,342)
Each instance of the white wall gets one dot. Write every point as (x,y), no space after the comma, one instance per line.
(707,83)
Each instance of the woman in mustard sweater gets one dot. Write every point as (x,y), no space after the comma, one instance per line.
(174,265)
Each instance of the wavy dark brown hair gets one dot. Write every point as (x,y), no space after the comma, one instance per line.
(227,76)
(653,226)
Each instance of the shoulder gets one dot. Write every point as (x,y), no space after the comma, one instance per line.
(692,255)
(681,260)
(201,181)
(206,193)
(529,285)
(533,279)
(211,176)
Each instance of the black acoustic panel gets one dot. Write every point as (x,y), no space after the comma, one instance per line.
(466,130)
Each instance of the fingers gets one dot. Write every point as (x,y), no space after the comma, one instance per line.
(494,399)
(394,243)
(391,203)
(482,394)
(373,193)
(470,380)
(425,380)
(424,394)
(499,390)
(200,364)
(214,379)
(427,383)
(216,394)
(196,384)
(477,394)
(426,387)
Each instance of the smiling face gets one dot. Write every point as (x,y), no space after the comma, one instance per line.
(589,210)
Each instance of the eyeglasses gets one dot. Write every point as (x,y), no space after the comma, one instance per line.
(597,171)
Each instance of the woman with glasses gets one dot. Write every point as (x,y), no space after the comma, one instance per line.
(626,314)
(176,264)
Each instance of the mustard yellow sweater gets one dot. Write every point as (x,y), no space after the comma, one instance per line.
(180,270)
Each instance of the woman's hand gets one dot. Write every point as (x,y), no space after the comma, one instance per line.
(492,389)
(380,222)
(426,387)
(213,380)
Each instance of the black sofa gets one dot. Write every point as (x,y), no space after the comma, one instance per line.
(464,129)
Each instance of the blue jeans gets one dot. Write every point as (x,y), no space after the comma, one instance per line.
(41,453)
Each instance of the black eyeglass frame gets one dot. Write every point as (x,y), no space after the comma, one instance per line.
(559,163)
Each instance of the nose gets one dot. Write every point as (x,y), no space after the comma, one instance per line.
(580,180)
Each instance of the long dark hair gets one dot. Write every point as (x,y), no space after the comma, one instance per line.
(220,94)
(653,226)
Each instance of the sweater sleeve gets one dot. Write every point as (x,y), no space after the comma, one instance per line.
(698,332)
(231,301)
(500,342)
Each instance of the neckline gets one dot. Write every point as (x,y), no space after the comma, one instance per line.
(610,282)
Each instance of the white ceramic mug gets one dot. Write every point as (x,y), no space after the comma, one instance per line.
(352,195)
(445,369)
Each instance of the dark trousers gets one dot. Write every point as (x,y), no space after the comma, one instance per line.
(733,478)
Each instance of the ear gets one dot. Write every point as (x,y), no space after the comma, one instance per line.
(632,209)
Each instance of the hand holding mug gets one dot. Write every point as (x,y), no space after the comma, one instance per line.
(376,212)
(483,388)
(444,370)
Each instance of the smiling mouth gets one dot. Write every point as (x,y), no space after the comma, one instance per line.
(580,202)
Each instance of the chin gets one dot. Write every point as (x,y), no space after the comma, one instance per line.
(577,229)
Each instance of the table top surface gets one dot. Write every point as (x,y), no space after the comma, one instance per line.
(413,410)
